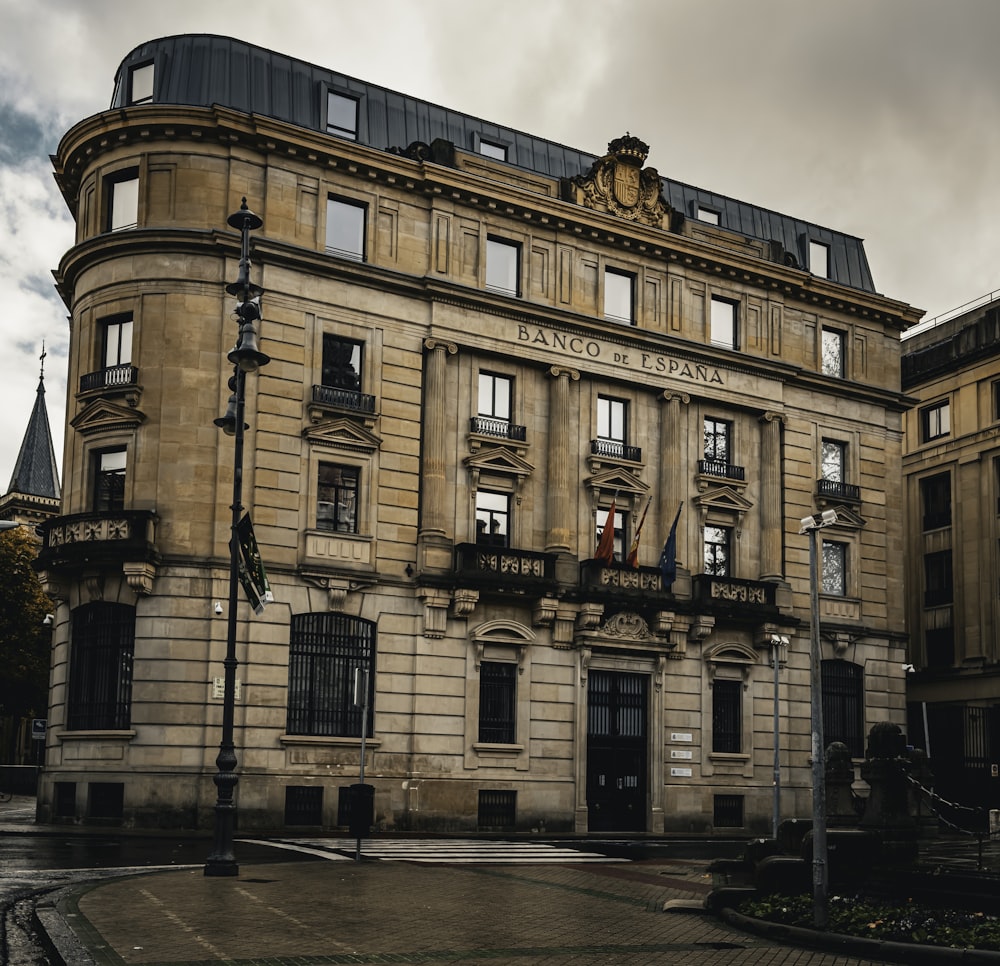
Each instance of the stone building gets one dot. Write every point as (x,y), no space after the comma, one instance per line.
(951,467)
(485,349)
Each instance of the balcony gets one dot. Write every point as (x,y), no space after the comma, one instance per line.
(108,539)
(616,450)
(497,429)
(505,569)
(114,377)
(599,580)
(348,399)
(733,596)
(721,470)
(834,490)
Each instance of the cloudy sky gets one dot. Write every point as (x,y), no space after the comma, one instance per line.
(880,118)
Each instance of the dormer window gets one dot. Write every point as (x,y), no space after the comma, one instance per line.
(342,115)
(819,259)
(140,84)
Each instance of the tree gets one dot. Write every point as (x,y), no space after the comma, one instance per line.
(25,639)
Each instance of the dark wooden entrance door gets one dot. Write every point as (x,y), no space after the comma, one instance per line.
(616,751)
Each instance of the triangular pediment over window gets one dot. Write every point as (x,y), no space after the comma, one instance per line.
(499,459)
(723,498)
(342,433)
(102,416)
(848,519)
(615,479)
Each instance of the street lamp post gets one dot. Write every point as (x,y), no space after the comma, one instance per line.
(778,642)
(810,525)
(245,357)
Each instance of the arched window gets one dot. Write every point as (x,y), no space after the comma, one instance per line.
(100,672)
(326,650)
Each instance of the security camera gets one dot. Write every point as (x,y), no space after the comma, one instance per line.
(49,618)
(218,607)
(909,668)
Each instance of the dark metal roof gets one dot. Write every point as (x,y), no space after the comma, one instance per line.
(204,69)
(36,472)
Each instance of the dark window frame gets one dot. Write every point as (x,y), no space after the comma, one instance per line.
(338,130)
(718,439)
(324,649)
(102,654)
(111,183)
(359,253)
(843,704)
(108,482)
(733,340)
(337,368)
(834,365)
(727,716)
(497,702)
(493,523)
(630,278)
(344,496)
(131,99)
(935,501)
(935,421)
(717,553)
(494,243)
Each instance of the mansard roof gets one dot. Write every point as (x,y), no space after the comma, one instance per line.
(204,69)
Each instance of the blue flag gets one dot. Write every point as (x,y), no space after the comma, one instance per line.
(668,559)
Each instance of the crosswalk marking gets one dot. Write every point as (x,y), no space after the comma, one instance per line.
(445,851)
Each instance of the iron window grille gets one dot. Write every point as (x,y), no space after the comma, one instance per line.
(727,716)
(324,650)
(497,702)
(102,650)
(843,687)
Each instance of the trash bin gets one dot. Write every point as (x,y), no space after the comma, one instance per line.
(362,810)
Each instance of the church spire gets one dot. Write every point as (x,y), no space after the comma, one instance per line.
(36,472)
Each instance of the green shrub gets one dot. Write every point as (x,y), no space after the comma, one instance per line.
(903,921)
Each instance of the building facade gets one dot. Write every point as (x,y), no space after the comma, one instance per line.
(951,467)
(486,350)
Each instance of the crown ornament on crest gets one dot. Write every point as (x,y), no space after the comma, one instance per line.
(629,149)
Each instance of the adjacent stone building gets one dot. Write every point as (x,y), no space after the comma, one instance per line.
(951,468)
(486,348)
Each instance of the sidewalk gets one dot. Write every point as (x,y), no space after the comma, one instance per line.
(320,912)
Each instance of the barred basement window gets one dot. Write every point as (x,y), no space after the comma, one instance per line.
(324,650)
(727,811)
(843,685)
(105,800)
(303,805)
(497,810)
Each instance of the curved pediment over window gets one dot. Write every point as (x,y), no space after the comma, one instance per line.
(503,634)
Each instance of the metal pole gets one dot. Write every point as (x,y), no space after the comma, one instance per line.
(222,861)
(818,763)
(363,675)
(776,660)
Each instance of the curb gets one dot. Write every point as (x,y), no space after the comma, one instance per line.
(873,949)
(56,934)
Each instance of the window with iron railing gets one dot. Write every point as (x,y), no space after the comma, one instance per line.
(100,675)
(843,689)
(727,716)
(497,702)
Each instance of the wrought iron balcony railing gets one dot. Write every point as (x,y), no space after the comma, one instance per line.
(836,490)
(113,377)
(500,428)
(722,469)
(734,593)
(99,538)
(350,399)
(616,450)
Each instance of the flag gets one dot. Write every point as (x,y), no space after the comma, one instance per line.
(668,559)
(251,568)
(633,554)
(606,545)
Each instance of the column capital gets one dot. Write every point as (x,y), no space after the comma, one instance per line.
(671,395)
(449,347)
(557,371)
(774,417)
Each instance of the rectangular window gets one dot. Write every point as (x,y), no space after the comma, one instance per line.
(833,457)
(341,363)
(612,419)
(497,702)
(718,541)
(619,524)
(938,587)
(102,647)
(819,259)
(939,643)
(140,84)
(491,149)
(935,495)
(708,215)
(724,323)
(935,421)
(832,351)
(727,716)
(117,342)
(502,266)
(495,394)
(843,700)
(996,400)
(337,498)
(342,115)
(345,229)
(492,519)
(619,296)
(123,201)
(109,480)
(717,439)
(834,569)
(326,651)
